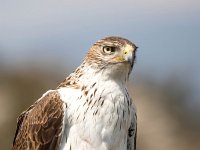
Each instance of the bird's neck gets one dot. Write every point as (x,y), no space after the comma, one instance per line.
(86,75)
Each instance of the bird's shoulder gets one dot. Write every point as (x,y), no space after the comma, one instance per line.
(39,127)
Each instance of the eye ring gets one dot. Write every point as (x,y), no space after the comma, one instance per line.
(109,49)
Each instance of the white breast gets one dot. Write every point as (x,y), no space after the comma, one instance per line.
(98,121)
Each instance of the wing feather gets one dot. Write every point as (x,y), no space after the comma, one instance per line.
(40,126)
(132,133)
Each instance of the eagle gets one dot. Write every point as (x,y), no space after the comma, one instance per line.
(90,110)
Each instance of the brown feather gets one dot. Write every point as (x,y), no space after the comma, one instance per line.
(40,126)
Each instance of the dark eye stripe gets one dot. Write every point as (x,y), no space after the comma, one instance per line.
(113,49)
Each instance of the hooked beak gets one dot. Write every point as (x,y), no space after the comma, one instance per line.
(126,55)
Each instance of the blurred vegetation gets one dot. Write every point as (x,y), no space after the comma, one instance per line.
(164,121)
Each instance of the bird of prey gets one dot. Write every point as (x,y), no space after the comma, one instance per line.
(90,110)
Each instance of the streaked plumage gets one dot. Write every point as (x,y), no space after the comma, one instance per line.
(90,110)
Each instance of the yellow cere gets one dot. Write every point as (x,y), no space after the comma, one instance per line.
(127,49)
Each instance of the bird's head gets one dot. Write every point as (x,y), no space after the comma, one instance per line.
(116,55)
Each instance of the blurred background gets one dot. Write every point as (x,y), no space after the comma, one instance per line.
(41,42)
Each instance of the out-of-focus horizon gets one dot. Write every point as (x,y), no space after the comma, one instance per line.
(41,42)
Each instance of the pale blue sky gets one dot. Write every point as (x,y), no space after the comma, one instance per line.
(166,31)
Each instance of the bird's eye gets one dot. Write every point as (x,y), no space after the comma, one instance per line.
(109,49)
